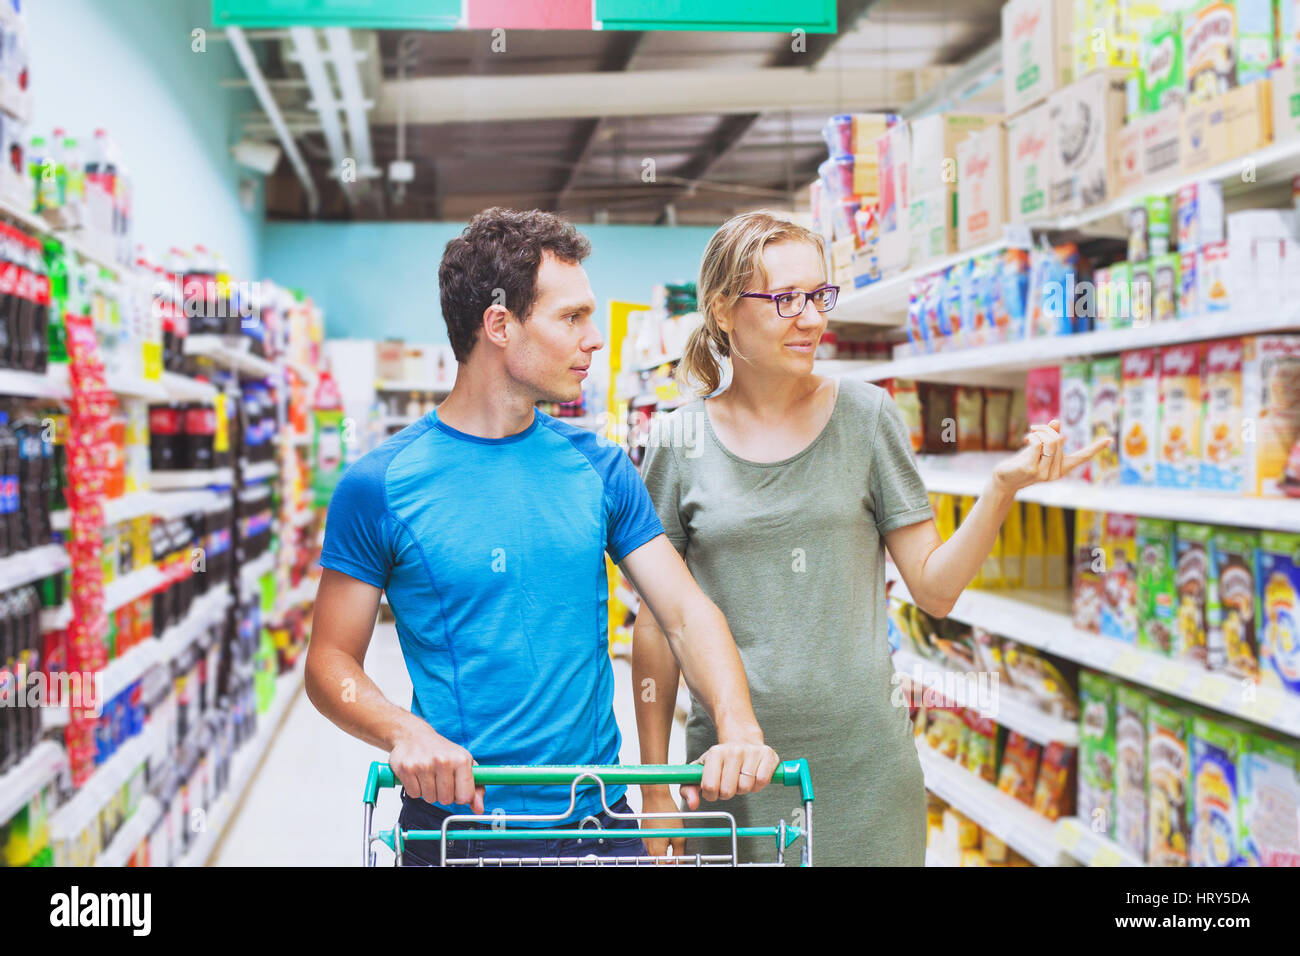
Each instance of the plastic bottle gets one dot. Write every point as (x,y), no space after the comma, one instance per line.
(41,167)
(8,297)
(40,332)
(176,267)
(101,183)
(74,179)
(8,725)
(200,426)
(164,430)
(24,304)
(8,486)
(199,286)
(33,523)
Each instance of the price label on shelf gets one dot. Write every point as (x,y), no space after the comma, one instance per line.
(1169,676)
(1107,856)
(1127,662)
(1068,835)
(1211,691)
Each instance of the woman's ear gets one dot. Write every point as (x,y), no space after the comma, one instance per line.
(721,314)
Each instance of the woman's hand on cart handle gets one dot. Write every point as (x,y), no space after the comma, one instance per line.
(731,769)
(434,769)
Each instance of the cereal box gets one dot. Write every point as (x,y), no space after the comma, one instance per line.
(1043,394)
(1179,452)
(970,418)
(1097,752)
(1139,417)
(1270,377)
(1192,581)
(1130,830)
(1103,417)
(1019,768)
(1231,644)
(1141,292)
(1189,294)
(1089,564)
(1168,779)
(1278,618)
(1027,164)
(1270,802)
(1209,49)
(1119,296)
(1086,119)
(1164,287)
(1054,791)
(1217,749)
(1037,50)
(1223,458)
(1161,75)
(1156,592)
(1119,580)
(1215,285)
(1075,418)
(1200,215)
(1256,39)
(982,186)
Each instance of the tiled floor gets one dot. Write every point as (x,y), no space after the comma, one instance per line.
(303,807)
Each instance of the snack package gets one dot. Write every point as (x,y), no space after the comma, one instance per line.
(980,756)
(908,400)
(1139,417)
(1209,49)
(997,414)
(1224,455)
(1159,216)
(1168,782)
(1141,292)
(1019,768)
(1017,420)
(1179,453)
(1231,643)
(1191,578)
(1270,802)
(1011,296)
(1056,562)
(1161,78)
(1271,389)
(943,731)
(1164,287)
(1011,541)
(1054,791)
(1033,678)
(970,418)
(1218,746)
(1034,573)
(1119,296)
(1103,418)
(1189,290)
(1156,593)
(1131,770)
(1089,561)
(938,403)
(1042,397)
(1097,753)
(1278,618)
(945,515)
(1075,411)
(1119,579)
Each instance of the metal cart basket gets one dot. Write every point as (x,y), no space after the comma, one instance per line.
(791,773)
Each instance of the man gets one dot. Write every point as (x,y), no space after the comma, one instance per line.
(487,523)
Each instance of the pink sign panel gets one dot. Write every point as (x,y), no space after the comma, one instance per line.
(528,14)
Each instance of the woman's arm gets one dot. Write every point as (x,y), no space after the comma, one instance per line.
(937,571)
(654,682)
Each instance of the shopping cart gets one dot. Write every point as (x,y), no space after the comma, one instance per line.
(791,773)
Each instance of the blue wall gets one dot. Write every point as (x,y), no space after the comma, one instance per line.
(380,280)
(128,66)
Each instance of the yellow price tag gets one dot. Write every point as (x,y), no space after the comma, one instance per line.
(1106,856)
(1068,834)
(1169,675)
(1127,662)
(220,440)
(1210,690)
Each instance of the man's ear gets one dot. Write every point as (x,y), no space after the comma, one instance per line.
(496,325)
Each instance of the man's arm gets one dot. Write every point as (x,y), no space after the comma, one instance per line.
(701,642)
(428,765)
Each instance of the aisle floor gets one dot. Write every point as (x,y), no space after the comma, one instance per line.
(303,806)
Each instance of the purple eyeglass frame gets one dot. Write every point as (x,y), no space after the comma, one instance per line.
(807,295)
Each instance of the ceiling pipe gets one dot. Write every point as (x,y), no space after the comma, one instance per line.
(248,63)
(345,59)
(306,51)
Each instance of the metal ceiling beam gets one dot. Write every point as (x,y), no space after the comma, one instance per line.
(248,63)
(355,104)
(307,53)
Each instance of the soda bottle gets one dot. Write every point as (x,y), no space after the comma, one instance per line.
(8,297)
(41,166)
(73,186)
(198,286)
(101,184)
(40,341)
(31,484)
(24,287)
(8,486)
(200,430)
(57,268)
(164,432)
(8,686)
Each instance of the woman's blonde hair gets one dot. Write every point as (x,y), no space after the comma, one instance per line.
(732,261)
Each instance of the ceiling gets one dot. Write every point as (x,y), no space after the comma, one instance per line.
(619,127)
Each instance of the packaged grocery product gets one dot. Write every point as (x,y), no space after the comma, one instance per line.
(970,418)
(1270,802)
(1119,580)
(955,330)
(1178,464)
(1223,460)
(1200,215)
(1162,142)
(1054,791)
(1158,225)
(960,831)
(944,514)
(1011,543)
(1270,381)
(1075,411)
(1230,638)
(1161,56)
(1103,418)
(1256,49)
(1119,297)
(1089,564)
(1086,119)
(1156,592)
(1168,782)
(1189,292)
(1131,770)
(1027,163)
(908,400)
(1042,396)
(1278,618)
(1017,420)
(995,851)
(990,574)
(1037,50)
(938,404)
(1192,580)
(980,754)
(1218,746)
(1209,49)
(1164,287)
(1010,308)
(1102,295)
(1056,561)
(1097,769)
(1034,574)
(1139,416)
(1141,278)
(943,731)
(1019,768)
(1214,285)
(997,413)
(1033,678)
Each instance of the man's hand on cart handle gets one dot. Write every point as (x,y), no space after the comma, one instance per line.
(434,769)
(731,769)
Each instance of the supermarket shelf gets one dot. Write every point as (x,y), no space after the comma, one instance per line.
(31,774)
(108,777)
(183,388)
(132,833)
(1025,719)
(399,421)
(968,473)
(53,384)
(1011,357)
(191,478)
(231,351)
(175,504)
(304,593)
(1016,825)
(1089,848)
(256,568)
(392,385)
(244,764)
(140,503)
(31,565)
(885,302)
(122,671)
(1042,620)
(260,470)
(56,618)
(204,611)
(132,586)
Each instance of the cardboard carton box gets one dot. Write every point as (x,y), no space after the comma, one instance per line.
(1162,79)
(1248,115)
(1086,120)
(982,188)
(931,229)
(1037,50)
(1205,136)
(1130,155)
(1286,101)
(1028,164)
(867,129)
(1210,49)
(893,150)
(1161,142)
(934,163)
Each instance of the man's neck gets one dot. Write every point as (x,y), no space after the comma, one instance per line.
(481,405)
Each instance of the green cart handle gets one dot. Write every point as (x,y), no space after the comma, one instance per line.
(791,773)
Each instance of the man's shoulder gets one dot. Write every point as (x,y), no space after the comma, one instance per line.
(602,453)
(370,471)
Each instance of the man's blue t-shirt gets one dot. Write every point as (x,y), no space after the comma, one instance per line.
(492,551)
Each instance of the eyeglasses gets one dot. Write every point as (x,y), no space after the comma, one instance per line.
(791,304)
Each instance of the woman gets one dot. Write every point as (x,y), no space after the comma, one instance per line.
(782,510)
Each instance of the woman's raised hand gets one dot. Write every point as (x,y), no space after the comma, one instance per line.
(1043,458)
